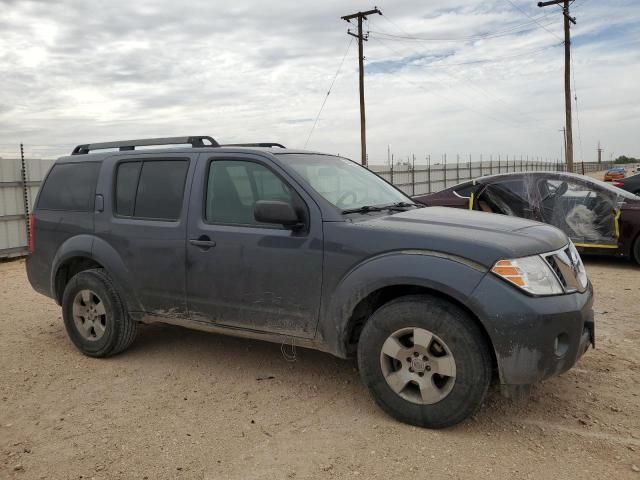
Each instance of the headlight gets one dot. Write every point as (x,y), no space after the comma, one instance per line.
(531,274)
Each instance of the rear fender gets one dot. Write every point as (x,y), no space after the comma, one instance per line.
(101,252)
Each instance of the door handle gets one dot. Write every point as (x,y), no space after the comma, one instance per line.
(203,242)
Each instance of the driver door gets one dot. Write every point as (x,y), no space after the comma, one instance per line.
(242,273)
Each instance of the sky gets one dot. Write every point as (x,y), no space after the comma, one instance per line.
(462,77)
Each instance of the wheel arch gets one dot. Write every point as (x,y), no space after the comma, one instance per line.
(86,252)
(389,276)
(376,299)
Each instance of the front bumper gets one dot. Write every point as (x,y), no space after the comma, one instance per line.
(534,337)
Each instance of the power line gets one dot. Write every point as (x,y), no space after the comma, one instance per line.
(529,16)
(460,78)
(449,99)
(499,33)
(328,92)
(486,60)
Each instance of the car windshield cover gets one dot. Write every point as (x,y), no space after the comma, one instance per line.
(344,183)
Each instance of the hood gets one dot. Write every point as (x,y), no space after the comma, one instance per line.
(478,236)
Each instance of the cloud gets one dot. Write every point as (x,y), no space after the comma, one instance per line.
(477,77)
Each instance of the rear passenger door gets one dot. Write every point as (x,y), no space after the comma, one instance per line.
(244,274)
(144,221)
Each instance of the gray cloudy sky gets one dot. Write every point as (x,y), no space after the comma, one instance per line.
(475,76)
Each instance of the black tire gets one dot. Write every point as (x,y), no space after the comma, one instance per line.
(118,329)
(635,250)
(464,340)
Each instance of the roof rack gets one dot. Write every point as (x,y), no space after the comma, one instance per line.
(123,145)
(261,144)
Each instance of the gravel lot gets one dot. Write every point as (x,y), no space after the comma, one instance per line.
(185,404)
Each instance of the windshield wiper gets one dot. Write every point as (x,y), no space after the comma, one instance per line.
(403,205)
(364,209)
(398,207)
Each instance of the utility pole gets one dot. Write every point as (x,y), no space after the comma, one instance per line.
(564,145)
(599,152)
(361,38)
(567,75)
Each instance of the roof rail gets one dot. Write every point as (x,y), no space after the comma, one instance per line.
(195,141)
(261,144)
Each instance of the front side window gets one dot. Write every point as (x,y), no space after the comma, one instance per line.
(342,182)
(234,187)
(70,186)
(151,189)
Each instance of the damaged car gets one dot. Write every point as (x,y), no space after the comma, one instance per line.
(312,250)
(598,217)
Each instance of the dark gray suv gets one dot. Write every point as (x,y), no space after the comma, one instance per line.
(311,249)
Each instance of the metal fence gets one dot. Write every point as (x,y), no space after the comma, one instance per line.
(20,179)
(19,183)
(428,177)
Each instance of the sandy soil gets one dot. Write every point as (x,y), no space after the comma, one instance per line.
(185,404)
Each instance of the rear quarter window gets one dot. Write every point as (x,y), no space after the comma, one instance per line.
(70,186)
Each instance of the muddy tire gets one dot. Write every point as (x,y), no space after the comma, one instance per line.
(425,361)
(95,316)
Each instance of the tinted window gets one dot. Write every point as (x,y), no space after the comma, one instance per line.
(151,189)
(233,188)
(126,185)
(160,189)
(70,186)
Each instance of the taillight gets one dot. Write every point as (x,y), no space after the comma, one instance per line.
(32,233)
(618,184)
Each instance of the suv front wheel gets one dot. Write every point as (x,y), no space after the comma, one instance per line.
(94,315)
(425,361)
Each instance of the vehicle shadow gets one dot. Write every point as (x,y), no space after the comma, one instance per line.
(319,378)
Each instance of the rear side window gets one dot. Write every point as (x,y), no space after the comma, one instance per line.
(70,186)
(151,189)
(126,185)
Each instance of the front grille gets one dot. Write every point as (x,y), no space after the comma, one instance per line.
(556,269)
(566,269)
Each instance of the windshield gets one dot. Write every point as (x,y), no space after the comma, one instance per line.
(343,183)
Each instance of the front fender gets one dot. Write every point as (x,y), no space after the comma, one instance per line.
(453,276)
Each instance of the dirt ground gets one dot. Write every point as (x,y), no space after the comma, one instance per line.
(186,404)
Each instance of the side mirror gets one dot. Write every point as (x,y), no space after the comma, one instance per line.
(280,213)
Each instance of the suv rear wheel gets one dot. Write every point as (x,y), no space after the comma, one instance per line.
(425,361)
(94,315)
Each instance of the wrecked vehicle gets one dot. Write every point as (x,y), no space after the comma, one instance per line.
(314,250)
(599,218)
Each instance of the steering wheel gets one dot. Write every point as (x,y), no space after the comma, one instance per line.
(556,191)
(349,194)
